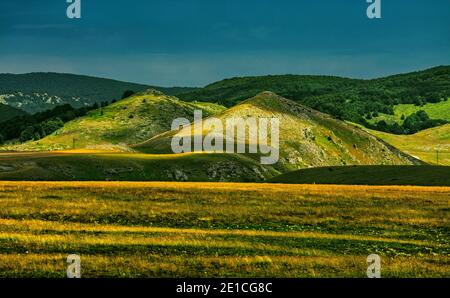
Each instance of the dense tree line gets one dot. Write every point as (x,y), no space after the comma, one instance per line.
(8,112)
(39,125)
(411,124)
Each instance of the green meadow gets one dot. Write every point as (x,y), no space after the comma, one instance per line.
(157,229)
(438,110)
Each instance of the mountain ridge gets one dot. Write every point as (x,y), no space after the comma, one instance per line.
(39,91)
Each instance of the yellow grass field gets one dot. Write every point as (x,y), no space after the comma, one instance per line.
(158,229)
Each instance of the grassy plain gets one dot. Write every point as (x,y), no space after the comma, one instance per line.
(157,229)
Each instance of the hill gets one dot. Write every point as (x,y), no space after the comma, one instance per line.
(308,138)
(8,112)
(369,175)
(89,165)
(128,121)
(430,145)
(36,92)
(349,99)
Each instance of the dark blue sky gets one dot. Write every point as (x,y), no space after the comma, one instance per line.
(196,42)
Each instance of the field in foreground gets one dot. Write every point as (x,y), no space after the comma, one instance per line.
(161,229)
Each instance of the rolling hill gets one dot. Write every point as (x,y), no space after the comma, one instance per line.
(90,165)
(430,145)
(308,138)
(36,92)
(348,99)
(126,122)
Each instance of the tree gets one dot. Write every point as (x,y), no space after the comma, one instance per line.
(2,139)
(382,125)
(417,121)
(67,116)
(27,134)
(127,94)
(422,115)
(396,129)
(50,126)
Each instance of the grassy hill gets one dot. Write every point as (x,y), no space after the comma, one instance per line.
(89,165)
(8,112)
(423,145)
(118,125)
(348,99)
(308,138)
(35,92)
(369,175)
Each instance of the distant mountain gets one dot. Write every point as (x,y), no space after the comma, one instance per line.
(126,122)
(8,112)
(308,138)
(348,99)
(35,92)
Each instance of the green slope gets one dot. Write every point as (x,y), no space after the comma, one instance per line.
(349,99)
(308,138)
(370,175)
(101,166)
(430,145)
(439,110)
(123,123)
(35,92)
